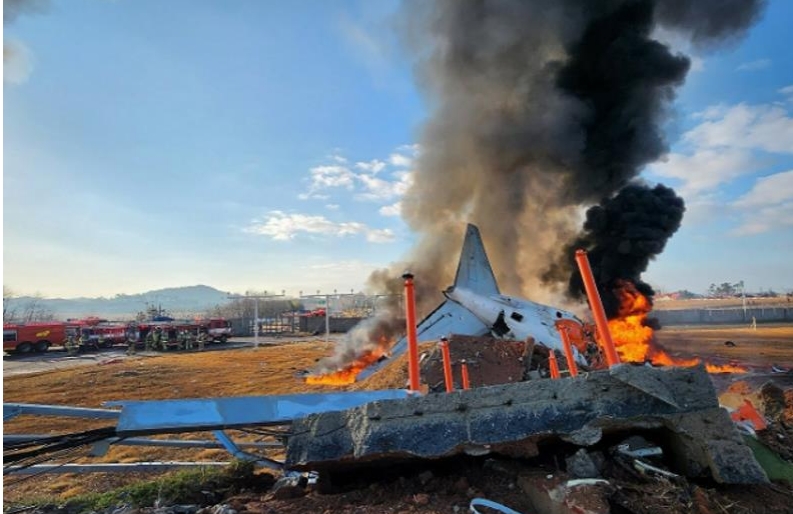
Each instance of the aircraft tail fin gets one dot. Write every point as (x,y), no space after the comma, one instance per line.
(474,272)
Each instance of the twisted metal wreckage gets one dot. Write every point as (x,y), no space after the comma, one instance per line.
(333,431)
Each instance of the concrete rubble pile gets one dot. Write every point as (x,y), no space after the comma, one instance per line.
(678,405)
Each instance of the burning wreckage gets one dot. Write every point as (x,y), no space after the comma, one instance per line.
(334,433)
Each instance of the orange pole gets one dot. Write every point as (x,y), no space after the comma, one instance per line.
(466,381)
(568,351)
(413,347)
(596,304)
(554,365)
(447,364)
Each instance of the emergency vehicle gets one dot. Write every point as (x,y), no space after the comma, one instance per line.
(95,333)
(217,329)
(33,337)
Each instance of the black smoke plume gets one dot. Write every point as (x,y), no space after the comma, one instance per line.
(622,235)
(539,109)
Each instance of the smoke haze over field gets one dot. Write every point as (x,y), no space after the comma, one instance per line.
(17,59)
(539,110)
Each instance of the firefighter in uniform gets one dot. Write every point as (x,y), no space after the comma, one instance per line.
(71,345)
(131,345)
(180,343)
(164,340)
(84,339)
(149,340)
(157,338)
(202,338)
(188,340)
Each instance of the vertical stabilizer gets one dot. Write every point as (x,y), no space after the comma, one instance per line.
(474,272)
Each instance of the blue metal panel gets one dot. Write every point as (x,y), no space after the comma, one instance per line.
(140,417)
(11,410)
(136,467)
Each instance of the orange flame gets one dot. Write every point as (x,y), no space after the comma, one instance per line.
(347,374)
(635,340)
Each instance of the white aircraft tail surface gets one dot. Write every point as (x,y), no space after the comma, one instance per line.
(474,272)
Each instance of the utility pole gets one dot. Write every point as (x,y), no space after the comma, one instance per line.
(256,299)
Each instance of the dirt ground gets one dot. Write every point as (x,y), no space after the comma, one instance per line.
(276,369)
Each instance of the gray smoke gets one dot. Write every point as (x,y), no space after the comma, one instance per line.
(12,9)
(17,58)
(538,110)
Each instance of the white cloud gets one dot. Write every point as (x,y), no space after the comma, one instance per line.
(788,92)
(766,219)
(756,65)
(376,188)
(283,227)
(705,168)
(328,176)
(374,166)
(312,196)
(697,64)
(413,149)
(385,235)
(403,161)
(395,209)
(730,143)
(366,180)
(771,190)
(768,205)
(763,127)
(332,206)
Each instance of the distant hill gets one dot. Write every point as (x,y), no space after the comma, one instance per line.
(177,301)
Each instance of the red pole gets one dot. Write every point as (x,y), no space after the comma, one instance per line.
(447,364)
(466,381)
(568,351)
(596,304)
(554,365)
(413,348)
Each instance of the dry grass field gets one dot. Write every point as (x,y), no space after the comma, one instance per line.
(767,346)
(270,370)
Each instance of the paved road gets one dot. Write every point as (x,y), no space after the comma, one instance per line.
(56,358)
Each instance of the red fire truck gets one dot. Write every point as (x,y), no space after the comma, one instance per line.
(33,337)
(98,333)
(218,329)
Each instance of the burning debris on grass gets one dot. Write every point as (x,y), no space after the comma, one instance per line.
(365,344)
(633,333)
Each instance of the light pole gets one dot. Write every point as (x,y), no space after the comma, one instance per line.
(256,299)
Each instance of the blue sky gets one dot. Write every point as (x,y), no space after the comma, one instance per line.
(265,145)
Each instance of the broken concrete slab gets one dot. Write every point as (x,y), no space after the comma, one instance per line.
(506,418)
